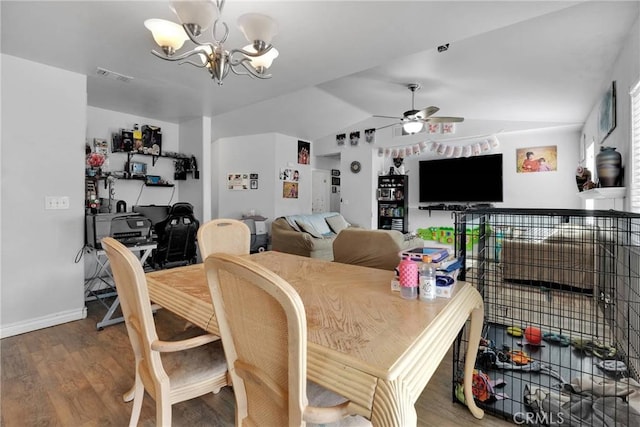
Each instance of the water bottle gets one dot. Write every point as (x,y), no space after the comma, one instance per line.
(408,275)
(427,282)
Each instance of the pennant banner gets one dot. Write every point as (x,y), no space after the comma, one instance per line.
(459,147)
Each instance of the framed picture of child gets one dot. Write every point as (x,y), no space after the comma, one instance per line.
(537,159)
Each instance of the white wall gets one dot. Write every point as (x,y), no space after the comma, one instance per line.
(195,137)
(44,116)
(265,155)
(555,189)
(102,124)
(626,73)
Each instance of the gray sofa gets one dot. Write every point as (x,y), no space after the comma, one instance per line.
(566,256)
(309,235)
(372,248)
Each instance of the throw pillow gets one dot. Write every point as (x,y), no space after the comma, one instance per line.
(337,223)
(308,228)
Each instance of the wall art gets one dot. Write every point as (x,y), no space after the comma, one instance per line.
(607,113)
(340,139)
(287,174)
(370,135)
(290,190)
(537,159)
(304,149)
(354,137)
(238,181)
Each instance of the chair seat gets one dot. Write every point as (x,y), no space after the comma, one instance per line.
(196,364)
(322,397)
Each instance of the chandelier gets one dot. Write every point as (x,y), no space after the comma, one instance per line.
(195,17)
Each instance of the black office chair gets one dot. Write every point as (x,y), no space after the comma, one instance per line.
(176,237)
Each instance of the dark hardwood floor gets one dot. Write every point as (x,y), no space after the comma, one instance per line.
(74,375)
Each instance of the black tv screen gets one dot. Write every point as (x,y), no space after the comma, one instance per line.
(475,179)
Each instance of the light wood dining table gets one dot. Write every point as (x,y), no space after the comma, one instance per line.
(364,341)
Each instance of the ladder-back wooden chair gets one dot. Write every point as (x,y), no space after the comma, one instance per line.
(263,327)
(170,371)
(224,235)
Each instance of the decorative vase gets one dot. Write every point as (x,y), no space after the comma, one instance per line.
(609,167)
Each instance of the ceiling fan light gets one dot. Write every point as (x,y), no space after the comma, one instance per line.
(258,27)
(200,13)
(168,35)
(264,61)
(412,127)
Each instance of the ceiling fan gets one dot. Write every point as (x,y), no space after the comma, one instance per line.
(413,120)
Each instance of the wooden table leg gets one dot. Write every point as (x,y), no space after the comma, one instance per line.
(475,332)
(393,405)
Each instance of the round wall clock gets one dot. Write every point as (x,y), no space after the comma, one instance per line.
(355,166)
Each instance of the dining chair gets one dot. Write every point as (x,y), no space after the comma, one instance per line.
(224,235)
(169,371)
(263,326)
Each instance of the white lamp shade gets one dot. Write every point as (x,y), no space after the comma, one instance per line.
(166,33)
(256,26)
(199,12)
(413,127)
(265,60)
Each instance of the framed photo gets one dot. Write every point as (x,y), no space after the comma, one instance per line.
(253,176)
(354,138)
(537,159)
(607,113)
(238,181)
(290,190)
(335,172)
(334,189)
(304,149)
(253,184)
(340,139)
(370,135)
(335,181)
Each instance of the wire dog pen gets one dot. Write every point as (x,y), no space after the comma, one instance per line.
(561,290)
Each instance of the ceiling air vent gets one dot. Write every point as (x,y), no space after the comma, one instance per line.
(113,75)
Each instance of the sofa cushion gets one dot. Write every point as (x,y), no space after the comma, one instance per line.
(568,233)
(308,228)
(337,223)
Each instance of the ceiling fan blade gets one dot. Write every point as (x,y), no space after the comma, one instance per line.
(444,119)
(426,112)
(386,126)
(389,117)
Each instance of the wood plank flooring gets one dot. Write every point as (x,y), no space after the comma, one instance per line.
(74,375)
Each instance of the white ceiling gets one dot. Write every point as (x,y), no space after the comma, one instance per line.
(510,65)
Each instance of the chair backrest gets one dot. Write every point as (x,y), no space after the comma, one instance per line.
(131,285)
(229,236)
(177,236)
(262,324)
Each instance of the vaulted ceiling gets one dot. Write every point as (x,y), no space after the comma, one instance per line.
(510,65)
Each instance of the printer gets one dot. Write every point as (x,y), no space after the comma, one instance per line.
(128,228)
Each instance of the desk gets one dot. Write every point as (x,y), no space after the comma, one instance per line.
(364,341)
(109,290)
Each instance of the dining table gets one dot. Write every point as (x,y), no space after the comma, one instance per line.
(365,342)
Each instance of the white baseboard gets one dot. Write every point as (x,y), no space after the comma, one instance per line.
(42,322)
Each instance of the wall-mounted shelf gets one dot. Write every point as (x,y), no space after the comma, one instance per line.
(604,193)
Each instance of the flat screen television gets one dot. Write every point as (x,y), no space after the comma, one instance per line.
(476,179)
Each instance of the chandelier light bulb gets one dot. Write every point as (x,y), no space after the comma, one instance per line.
(258,27)
(197,14)
(168,35)
(264,61)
